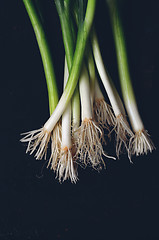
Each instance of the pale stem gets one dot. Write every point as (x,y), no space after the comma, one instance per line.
(110,89)
(97,91)
(66,117)
(84,87)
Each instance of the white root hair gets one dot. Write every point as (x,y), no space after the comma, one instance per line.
(66,168)
(88,145)
(56,139)
(140,143)
(123,133)
(37,142)
(103,113)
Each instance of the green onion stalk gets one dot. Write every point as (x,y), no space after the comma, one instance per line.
(67,167)
(119,122)
(69,37)
(40,138)
(140,142)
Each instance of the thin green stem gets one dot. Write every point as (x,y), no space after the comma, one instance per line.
(121,52)
(68,33)
(45,53)
(124,74)
(91,69)
(64,15)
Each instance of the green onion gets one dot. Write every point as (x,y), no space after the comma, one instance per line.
(40,138)
(45,53)
(66,168)
(139,143)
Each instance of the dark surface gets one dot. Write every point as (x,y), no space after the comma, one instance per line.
(118,203)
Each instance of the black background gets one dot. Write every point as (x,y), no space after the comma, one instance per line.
(120,202)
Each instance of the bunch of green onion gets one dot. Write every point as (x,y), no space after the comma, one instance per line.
(74,132)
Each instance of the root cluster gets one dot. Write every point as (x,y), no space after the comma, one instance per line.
(89,149)
(123,134)
(140,143)
(87,144)
(66,167)
(104,114)
(37,142)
